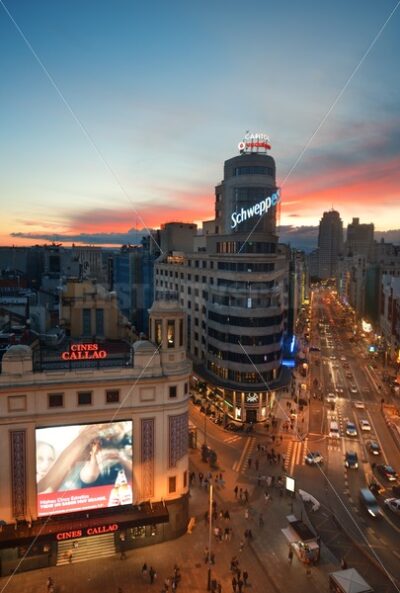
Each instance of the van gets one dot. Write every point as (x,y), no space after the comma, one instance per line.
(369,502)
(334,430)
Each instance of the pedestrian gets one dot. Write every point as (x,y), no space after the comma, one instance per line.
(212,558)
(219,587)
(144,570)
(245,577)
(246,514)
(50,584)
(241,545)
(234,584)
(249,462)
(246,496)
(206,552)
(267,497)
(240,585)
(69,556)
(236,491)
(290,555)
(152,574)
(261,521)
(258,479)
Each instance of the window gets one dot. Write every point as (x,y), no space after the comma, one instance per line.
(99,322)
(84,398)
(172,484)
(86,322)
(171,333)
(16,403)
(112,396)
(158,331)
(172,391)
(181,332)
(55,400)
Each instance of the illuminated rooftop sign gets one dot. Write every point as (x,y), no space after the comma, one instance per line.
(256,210)
(84,352)
(254,143)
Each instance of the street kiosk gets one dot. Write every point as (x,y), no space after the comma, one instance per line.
(348,581)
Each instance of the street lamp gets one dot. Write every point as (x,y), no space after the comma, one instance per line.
(210,514)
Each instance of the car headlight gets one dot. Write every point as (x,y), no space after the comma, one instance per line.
(356,465)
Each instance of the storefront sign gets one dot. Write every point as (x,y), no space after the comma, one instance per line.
(84,352)
(252,398)
(75,534)
(253,143)
(256,210)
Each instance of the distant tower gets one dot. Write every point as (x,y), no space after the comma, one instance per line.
(330,244)
(360,239)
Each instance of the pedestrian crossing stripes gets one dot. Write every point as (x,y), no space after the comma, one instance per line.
(241,465)
(233,439)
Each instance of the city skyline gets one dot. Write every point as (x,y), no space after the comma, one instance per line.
(164,99)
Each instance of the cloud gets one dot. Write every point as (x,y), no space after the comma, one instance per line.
(131,236)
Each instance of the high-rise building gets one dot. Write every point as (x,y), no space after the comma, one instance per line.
(231,283)
(360,239)
(330,244)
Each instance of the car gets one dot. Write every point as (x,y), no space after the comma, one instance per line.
(351,460)
(351,429)
(331,398)
(365,425)
(359,405)
(353,389)
(373,448)
(387,472)
(343,358)
(313,458)
(369,502)
(339,389)
(393,504)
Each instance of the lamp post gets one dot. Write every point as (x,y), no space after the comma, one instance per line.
(210,514)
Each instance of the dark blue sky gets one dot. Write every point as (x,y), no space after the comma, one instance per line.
(166,91)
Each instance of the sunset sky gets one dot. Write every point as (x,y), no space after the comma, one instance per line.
(157,95)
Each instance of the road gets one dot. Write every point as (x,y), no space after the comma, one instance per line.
(342,367)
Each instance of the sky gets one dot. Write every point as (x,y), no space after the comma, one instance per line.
(116,116)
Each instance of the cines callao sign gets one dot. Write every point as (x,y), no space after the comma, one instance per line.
(255,210)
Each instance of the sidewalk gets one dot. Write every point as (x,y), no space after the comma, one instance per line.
(265,558)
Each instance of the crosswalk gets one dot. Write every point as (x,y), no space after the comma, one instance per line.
(241,465)
(295,455)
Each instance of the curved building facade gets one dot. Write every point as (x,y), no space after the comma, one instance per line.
(231,285)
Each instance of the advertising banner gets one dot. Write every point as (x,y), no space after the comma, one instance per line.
(83,467)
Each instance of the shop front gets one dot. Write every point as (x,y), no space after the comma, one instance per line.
(48,541)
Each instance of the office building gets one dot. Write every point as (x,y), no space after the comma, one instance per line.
(330,244)
(230,279)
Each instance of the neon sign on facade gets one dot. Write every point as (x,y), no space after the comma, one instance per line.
(255,210)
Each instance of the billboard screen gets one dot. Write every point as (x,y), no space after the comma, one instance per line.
(82,467)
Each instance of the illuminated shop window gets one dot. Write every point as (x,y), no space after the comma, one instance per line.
(171,333)
(158,331)
(138,532)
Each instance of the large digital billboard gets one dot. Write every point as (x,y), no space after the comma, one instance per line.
(82,467)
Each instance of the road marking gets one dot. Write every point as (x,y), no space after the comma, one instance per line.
(237,466)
